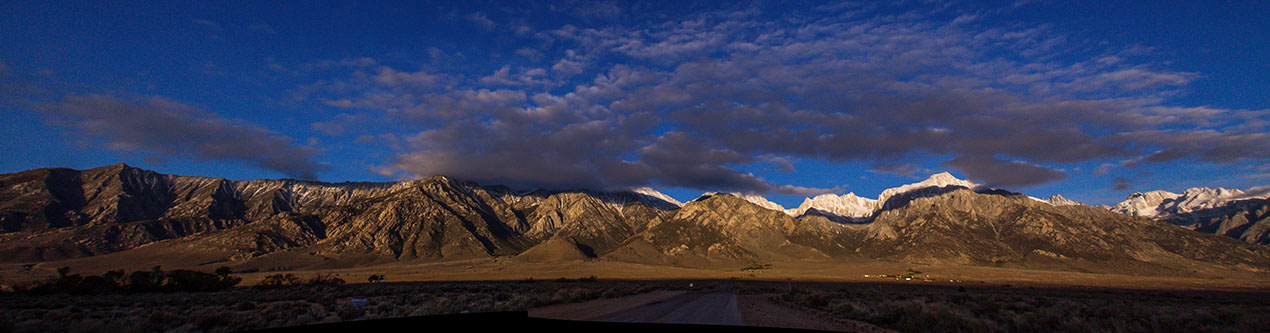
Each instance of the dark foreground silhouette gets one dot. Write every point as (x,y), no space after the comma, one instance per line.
(518,320)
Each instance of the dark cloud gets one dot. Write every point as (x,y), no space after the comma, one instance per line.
(689,102)
(162,126)
(1122,184)
(997,172)
(1164,155)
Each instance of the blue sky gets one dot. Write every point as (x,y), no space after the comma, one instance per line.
(1088,99)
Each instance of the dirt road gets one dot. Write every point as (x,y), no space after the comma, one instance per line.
(712,307)
(702,307)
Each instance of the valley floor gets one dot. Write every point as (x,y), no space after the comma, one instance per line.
(862,271)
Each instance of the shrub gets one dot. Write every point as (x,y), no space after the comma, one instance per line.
(143,281)
(187,280)
(324,280)
(245,306)
(279,280)
(351,312)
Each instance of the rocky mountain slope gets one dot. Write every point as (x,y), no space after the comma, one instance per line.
(955,224)
(1247,220)
(128,214)
(50,214)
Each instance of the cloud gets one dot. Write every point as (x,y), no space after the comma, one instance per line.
(692,101)
(1255,192)
(781,163)
(208,23)
(898,169)
(162,126)
(1122,183)
(1002,173)
(481,20)
(1103,169)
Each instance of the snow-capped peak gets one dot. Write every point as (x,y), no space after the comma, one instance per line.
(1163,203)
(1059,200)
(852,206)
(941,179)
(1144,204)
(846,205)
(648,191)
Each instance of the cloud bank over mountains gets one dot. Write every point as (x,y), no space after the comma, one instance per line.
(682,102)
(696,99)
(162,126)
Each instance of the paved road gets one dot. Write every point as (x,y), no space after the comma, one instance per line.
(703,307)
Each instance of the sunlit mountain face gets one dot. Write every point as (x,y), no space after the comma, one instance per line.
(787,101)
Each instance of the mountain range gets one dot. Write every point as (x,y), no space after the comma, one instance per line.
(125,214)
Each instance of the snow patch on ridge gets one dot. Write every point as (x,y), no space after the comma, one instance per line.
(648,191)
(1059,200)
(761,201)
(754,199)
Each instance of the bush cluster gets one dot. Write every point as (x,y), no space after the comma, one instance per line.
(118,281)
(289,280)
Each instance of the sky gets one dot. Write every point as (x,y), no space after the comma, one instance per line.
(1093,100)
